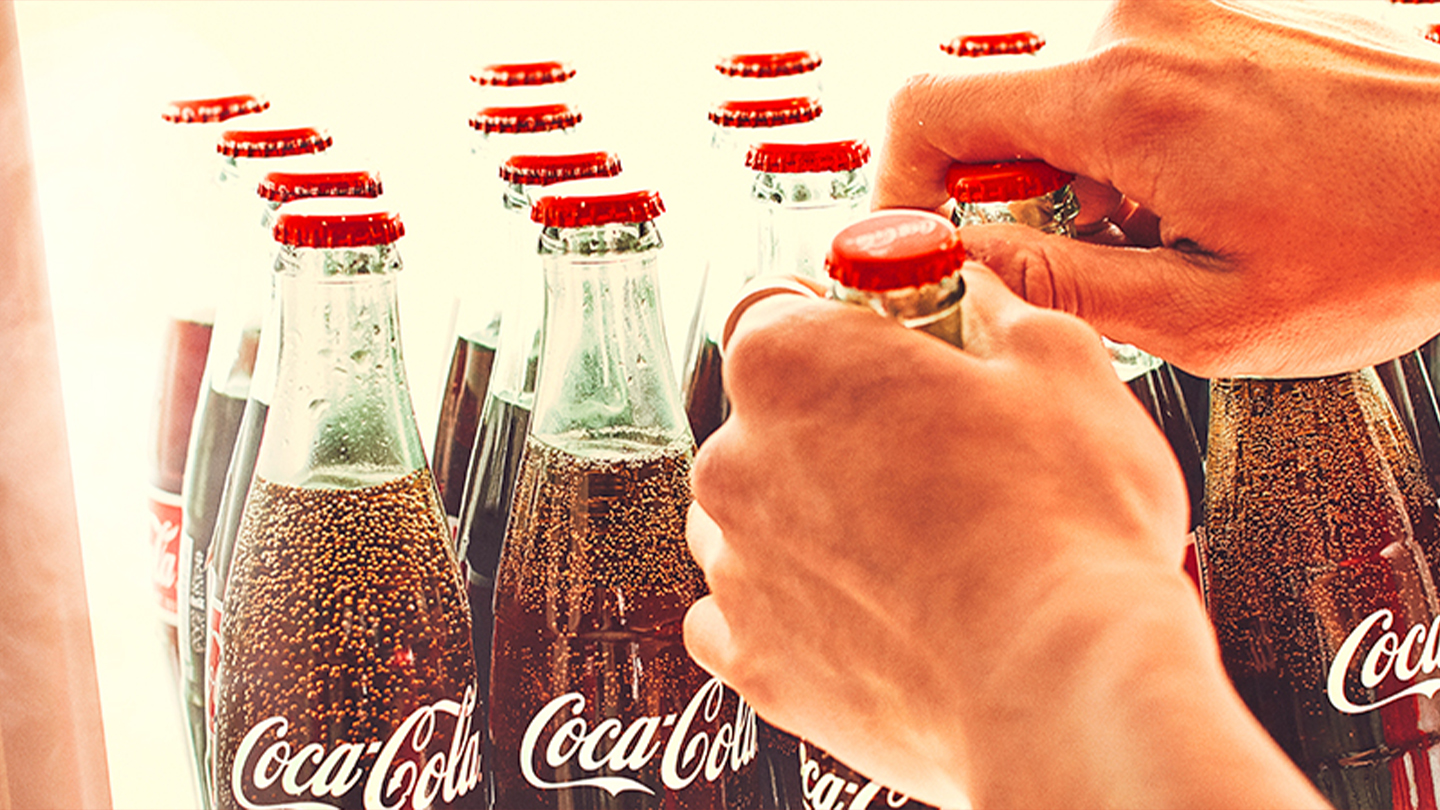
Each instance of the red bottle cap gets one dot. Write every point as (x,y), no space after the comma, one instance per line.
(543,170)
(283,187)
(579,210)
(993,44)
(535,118)
(272,143)
(1432,32)
(213,110)
(893,249)
(336,223)
(1004,181)
(517,74)
(768,65)
(792,158)
(769,112)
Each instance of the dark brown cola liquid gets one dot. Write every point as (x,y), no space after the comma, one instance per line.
(494,470)
(465,389)
(1319,560)
(346,676)
(1159,392)
(595,702)
(706,405)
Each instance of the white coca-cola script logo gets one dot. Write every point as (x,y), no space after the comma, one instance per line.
(393,777)
(828,791)
(165,540)
(1414,655)
(880,240)
(687,752)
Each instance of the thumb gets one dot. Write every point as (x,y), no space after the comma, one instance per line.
(1129,294)
(707,637)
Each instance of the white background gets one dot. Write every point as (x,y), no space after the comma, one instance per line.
(391,82)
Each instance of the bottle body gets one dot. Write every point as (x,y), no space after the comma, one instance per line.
(1318,558)
(346,675)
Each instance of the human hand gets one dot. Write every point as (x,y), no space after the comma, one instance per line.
(1255,180)
(924,559)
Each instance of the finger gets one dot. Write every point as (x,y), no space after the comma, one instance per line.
(1132,295)
(999,323)
(936,120)
(707,638)
(1099,204)
(703,536)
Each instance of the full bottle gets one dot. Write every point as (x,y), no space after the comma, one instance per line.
(595,576)
(501,131)
(505,417)
(1318,557)
(347,678)
(192,126)
(246,154)
(229,370)
(1037,195)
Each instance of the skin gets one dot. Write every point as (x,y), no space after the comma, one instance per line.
(1210,140)
(981,601)
(1005,623)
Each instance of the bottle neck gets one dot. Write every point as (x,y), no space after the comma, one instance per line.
(1050,213)
(606,383)
(799,215)
(930,308)
(340,413)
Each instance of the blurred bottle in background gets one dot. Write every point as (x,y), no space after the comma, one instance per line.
(191,292)
(725,252)
(484,278)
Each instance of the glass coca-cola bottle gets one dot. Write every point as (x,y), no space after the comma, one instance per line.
(1035,194)
(245,154)
(594,700)
(505,417)
(1318,557)
(228,373)
(502,131)
(346,677)
(189,322)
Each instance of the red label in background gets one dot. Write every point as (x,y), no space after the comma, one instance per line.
(164,513)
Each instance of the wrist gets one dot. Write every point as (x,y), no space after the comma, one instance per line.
(1115,695)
